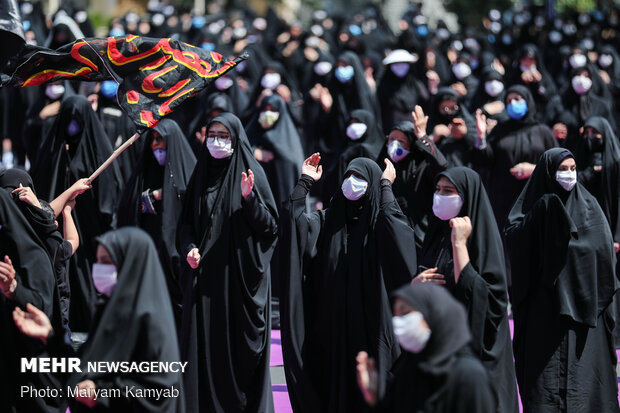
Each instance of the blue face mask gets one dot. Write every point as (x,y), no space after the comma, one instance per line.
(108,88)
(198,22)
(208,46)
(160,156)
(115,32)
(344,73)
(517,109)
(422,31)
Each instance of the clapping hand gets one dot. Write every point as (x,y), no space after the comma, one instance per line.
(33,323)
(247,183)
(312,168)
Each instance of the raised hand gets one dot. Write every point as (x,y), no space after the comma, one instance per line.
(389,172)
(481,124)
(247,183)
(193,258)
(7,276)
(202,135)
(461,229)
(26,195)
(312,168)
(79,187)
(33,323)
(420,121)
(367,377)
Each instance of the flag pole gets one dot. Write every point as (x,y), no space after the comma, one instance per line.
(112,157)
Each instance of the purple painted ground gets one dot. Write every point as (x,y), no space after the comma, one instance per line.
(280,394)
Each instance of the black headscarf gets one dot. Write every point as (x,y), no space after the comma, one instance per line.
(484,246)
(447,321)
(482,283)
(444,377)
(284,141)
(511,125)
(355,94)
(541,91)
(344,262)
(36,284)
(56,172)
(561,237)
(415,178)
(41,221)
(367,146)
(135,324)
(511,142)
(399,96)
(583,106)
(176,172)
(563,283)
(456,151)
(605,188)
(226,317)
(173,176)
(89,149)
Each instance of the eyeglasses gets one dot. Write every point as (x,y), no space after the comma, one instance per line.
(449,109)
(219,136)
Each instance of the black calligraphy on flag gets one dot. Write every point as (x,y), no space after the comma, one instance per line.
(154,75)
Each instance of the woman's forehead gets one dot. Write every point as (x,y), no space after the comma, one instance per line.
(218,127)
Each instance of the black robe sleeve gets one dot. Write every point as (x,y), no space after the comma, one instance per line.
(547,217)
(259,217)
(300,233)
(397,241)
(437,160)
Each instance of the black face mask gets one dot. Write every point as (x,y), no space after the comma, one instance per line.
(594,144)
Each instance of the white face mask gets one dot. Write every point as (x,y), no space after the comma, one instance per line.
(410,332)
(105,278)
(581,84)
(577,60)
(446,207)
(396,152)
(223,83)
(160,156)
(605,60)
(354,188)
(271,81)
(268,118)
(322,68)
(494,87)
(524,68)
(54,91)
(567,179)
(400,69)
(356,130)
(461,70)
(219,150)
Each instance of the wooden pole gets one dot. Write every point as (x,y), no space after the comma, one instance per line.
(112,157)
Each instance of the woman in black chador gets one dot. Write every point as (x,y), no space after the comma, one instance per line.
(133,323)
(153,197)
(344,262)
(75,147)
(26,276)
(463,250)
(563,283)
(437,372)
(227,232)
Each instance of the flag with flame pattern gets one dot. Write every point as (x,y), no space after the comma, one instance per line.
(154,75)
